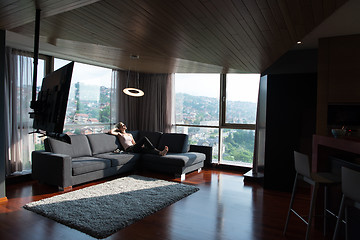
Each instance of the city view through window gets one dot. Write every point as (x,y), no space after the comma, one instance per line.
(88,108)
(198,114)
(197,109)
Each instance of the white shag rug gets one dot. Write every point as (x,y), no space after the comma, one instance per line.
(103,209)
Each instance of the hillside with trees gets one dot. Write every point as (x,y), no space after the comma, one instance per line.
(196,110)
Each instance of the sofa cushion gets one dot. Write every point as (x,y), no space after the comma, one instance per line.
(154,137)
(178,159)
(83,165)
(177,142)
(118,159)
(103,142)
(79,146)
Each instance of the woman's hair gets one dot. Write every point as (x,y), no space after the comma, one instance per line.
(119,124)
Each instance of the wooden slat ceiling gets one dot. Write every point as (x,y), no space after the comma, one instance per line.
(168,35)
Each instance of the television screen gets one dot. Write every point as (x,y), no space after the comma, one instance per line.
(49,113)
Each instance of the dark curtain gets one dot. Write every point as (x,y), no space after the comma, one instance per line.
(127,106)
(151,112)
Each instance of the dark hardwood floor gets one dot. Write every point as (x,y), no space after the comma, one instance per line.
(224,208)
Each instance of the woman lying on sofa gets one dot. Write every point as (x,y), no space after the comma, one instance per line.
(128,143)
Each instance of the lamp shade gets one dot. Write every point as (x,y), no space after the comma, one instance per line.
(134,92)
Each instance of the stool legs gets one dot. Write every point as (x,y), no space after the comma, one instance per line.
(291,204)
(325,209)
(341,210)
(312,207)
(311,210)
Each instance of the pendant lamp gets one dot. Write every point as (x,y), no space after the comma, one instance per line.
(133,91)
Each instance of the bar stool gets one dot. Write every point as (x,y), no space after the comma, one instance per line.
(303,172)
(350,180)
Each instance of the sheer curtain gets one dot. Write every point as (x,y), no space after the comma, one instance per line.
(18,88)
(153,111)
(113,98)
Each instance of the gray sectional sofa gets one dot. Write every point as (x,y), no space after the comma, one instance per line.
(92,157)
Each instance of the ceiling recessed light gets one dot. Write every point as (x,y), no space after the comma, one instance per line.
(299,42)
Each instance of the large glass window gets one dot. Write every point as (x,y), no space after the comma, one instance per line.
(203,136)
(88,108)
(37,138)
(197,102)
(241,98)
(197,108)
(240,107)
(238,147)
(227,125)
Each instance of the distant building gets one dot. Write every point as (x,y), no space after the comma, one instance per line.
(81,118)
(93,120)
(77,96)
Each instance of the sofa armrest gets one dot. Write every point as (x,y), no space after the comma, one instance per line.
(203,149)
(51,168)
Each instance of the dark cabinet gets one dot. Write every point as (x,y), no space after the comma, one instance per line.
(290,124)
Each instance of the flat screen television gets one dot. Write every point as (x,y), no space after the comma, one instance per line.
(51,103)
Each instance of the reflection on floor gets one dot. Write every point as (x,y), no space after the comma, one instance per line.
(224,208)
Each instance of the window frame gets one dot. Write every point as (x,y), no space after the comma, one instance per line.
(222,120)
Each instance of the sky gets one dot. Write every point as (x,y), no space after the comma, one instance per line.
(40,72)
(92,75)
(240,87)
(97,76)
